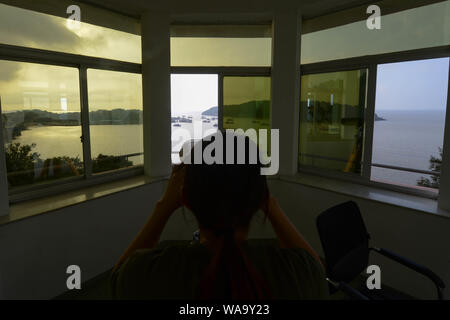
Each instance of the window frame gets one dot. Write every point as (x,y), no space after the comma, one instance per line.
(222,72)
(82,64)
(371,64)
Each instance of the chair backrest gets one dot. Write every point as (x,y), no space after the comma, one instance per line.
(345,241)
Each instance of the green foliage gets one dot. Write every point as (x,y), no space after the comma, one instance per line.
(26,167)
(20,162)
(250,109)
(435,166)
(106,163)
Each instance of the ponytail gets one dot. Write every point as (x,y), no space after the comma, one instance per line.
(230,274)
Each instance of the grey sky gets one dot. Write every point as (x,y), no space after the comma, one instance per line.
(415,85)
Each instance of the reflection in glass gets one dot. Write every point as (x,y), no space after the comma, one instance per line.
(40,107)
(246,104)
(332,120)
(115,118)
(32,29)
(405,30)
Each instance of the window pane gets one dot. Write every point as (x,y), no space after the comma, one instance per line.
(115,116)
(405,30)
(332,120)
(27,28)
(194,108)
(249,52)
(41,122)
(246,104)
(410,106)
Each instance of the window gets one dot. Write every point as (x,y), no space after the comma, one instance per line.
(246,103)
(233,91)
(224,45)
(64,118)
(31,29)
(410,110)
(115,119)
(387,132)
(404,30)
(332,109)
(194,108)
(41,122)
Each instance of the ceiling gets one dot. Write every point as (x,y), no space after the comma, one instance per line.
(213,10)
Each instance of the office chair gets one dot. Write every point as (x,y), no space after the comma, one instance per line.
(345,243)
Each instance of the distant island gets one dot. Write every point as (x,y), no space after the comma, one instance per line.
(17,121)
(378,118)
(213,111)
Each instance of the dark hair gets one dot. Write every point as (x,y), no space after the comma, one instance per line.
(224,197)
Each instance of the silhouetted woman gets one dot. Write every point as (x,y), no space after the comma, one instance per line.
(223,264)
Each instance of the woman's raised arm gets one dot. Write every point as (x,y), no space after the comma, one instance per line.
(286,232)
(149,236)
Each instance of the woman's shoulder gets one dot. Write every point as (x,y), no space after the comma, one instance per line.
(292,272)
(163,272)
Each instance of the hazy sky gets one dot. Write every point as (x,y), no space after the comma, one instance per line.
(192,93)
(415,85)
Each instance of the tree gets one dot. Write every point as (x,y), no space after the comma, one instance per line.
(435,166)
(20,163)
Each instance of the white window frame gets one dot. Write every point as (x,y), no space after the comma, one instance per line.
(82,63)
(371,64)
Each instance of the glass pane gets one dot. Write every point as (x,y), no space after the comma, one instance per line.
(194,108)
(249,52)
(40,107)
(246,104)
(332,120)
(115,116)
(405,30)
(410,106)
(28,28)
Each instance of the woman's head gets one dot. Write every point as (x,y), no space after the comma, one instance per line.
(225,196)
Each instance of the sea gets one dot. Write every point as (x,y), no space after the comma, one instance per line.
(407,138)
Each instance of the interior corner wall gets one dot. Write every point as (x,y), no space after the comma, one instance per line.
(35,252)
(420,237)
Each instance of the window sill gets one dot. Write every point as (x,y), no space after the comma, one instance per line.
(26,209)
(371,193)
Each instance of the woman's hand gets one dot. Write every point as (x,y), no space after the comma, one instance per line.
(171,198)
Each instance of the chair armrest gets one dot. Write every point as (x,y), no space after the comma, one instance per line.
(348,290)
(414,266)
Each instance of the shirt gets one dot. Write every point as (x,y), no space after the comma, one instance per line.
(175,272)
